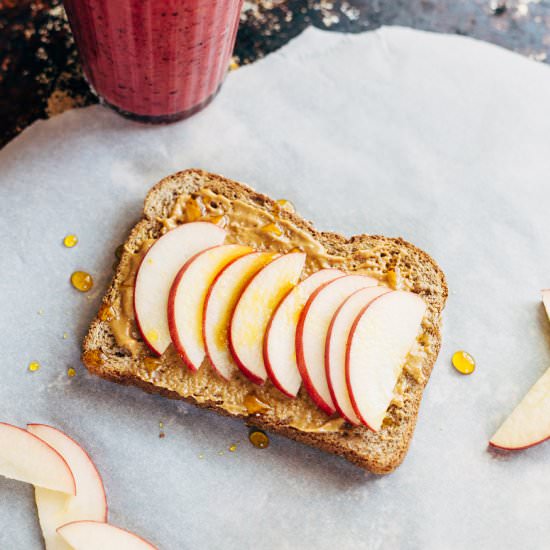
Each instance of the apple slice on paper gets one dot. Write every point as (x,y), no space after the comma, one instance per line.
(280,337)
(25,457)
(220,303)
(54,508)
(336,348)
(529,423)
(187,297)
(157,271)
(546,301)
(94,535)
(312,331)
(380,339)
(254,309)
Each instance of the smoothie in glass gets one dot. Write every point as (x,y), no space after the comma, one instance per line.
(155,60)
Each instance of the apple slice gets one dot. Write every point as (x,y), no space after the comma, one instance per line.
(187,296)
(157,271)
(54,508)
(94,535)
(220,303)
(380,339)
(255,307)
(546,301)
(312,331)
(336,347)
(529,423)
(280,337)
(27,458)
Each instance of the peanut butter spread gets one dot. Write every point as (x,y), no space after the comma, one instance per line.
(248,225)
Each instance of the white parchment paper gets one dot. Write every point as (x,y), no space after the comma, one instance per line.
(440,139)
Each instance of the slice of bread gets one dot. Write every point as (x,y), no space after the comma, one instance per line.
(246,213)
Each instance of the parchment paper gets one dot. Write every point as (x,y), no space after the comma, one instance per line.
(440,139)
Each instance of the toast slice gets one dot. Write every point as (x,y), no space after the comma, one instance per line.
(114,350)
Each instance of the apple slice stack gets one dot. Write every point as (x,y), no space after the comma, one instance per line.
(69,492)
(344,337)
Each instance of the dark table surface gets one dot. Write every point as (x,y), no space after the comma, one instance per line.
(40,74)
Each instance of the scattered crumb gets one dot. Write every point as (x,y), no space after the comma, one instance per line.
(221,453)
(161,430)
(71,372)
(40,312)
(233,447)
(65,336)
(201,456)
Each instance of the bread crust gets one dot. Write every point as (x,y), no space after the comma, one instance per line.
(379,453)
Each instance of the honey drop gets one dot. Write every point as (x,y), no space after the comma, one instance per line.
(34,366)
(258,438)
(82,281)
(254,405)
(273,229)
(286,205)
(463,362)
(70,240)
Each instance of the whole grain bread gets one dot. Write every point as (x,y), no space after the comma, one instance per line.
(391,259)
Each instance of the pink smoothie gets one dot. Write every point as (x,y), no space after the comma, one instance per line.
(157,60)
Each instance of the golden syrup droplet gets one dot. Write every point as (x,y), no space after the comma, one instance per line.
(82,281)
(394,278)
(463,362)
(286,205)
(92,358)
(34,366)
(106,312)
(258,438)
(193,210)
(254,405)
(232,448)
(273,229)
(220,220)
(70,240)
(152,364)
(118,251)
(71,372)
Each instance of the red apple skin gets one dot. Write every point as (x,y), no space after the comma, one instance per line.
(44,443)
(268,366)
(495,446)
(171,312)
(91,462)
(350,338)
(119,528)
(204,317)
(300,359)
